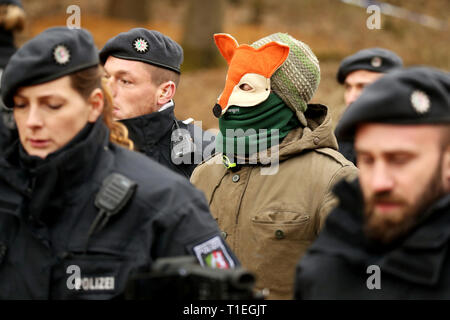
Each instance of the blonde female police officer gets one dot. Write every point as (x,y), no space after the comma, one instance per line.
(78,213)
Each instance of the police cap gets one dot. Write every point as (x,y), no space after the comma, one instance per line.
(144,45)
(372,59)
(54,53)
(417,95)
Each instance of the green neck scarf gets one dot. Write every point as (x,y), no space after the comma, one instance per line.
(247,130)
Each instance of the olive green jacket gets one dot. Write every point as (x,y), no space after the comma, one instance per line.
(269,220)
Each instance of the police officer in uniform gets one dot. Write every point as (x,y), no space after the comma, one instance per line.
(143,71)
(389,237)
(358,71)
(80,214)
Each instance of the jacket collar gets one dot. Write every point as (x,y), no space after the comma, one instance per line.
(147,130)
(47,180)
(417,258)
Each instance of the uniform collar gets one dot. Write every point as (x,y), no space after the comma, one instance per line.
(147,130)
(417,258)
(45,181)
(166,106)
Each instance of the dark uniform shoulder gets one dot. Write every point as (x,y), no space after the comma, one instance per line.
(153,178)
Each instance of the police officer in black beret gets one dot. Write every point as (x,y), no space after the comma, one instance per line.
(356,72)
(389,237)
(79,213)
(143,71)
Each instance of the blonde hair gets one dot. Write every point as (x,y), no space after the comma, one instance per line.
(12,18)
(87,80)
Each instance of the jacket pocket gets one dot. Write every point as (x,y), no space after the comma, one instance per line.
(276,224)
(280,239)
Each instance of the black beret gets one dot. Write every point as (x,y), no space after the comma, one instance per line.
(372,59)
(144,45)
(417,95)
(54,53)
(17,3)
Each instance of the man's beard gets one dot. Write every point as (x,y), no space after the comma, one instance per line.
(386,229)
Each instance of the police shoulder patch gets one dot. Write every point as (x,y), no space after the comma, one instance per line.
(420,101)
(213,253)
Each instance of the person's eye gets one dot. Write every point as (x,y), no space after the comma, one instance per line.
(364,159)
(245,87)
(19,105)
(55,106)
(401,159)
(124,81)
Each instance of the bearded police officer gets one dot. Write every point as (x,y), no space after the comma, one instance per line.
(79,214)
(358,71)
(388,238)
(143,71)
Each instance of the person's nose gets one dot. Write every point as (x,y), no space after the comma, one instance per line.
(112,86)
(351,95)
(34,117)
(381,179)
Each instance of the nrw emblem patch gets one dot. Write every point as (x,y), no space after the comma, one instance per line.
(141,45)
(214,254)
(61,54)
(420,101)
(376,62)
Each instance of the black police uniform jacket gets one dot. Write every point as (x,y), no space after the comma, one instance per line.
(47,208)
(152,135)
(344,264)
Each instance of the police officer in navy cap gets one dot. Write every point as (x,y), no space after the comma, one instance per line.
(12,20)
(80,213)
(356,72)
(143,71)
(389,237)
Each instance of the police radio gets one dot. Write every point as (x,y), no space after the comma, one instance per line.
(114,194)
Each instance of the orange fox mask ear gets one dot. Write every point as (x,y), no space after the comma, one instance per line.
(226,44)
(257,65)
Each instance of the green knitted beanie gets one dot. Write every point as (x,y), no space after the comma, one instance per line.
(298,78)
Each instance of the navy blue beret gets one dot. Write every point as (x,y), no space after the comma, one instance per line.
(54,53)
(372,59)
(417,95)
(144,45)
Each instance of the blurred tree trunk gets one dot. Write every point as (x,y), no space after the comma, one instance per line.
(132,9)
(257,12)
(203,19)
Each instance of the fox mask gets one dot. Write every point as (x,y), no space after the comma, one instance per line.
(248,77)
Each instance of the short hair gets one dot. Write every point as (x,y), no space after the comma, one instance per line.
(161,75)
